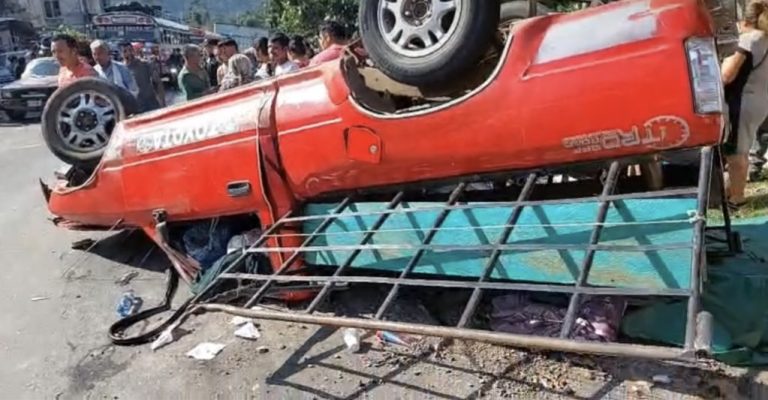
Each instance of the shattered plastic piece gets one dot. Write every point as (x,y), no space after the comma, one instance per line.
(129,304)
(663,379)
(248,331)
(164,339)
(352,339)
(392,338)
(206,351)
(238,320)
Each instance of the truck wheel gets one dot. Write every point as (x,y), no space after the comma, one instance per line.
(427,42)
(518,10)
(79,118)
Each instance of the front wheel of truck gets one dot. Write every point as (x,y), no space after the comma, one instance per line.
(79,118)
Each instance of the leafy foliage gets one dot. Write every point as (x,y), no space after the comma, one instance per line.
(253,19)
(198,14)
(304,17)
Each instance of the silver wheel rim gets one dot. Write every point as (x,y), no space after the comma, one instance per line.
(417,28)
(85,121)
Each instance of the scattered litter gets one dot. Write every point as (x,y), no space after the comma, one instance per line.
(598,320)
(127,278)
(262,349)
(40,298)
(129,304)
(238,320)
(663,379)
(386,337)
(205,351)
(352,339)
(164,339)
(248,331)
(84,244)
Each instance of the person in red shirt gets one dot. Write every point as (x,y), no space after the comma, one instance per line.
(333,38)
(64,49)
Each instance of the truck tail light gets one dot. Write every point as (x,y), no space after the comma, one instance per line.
(705,75)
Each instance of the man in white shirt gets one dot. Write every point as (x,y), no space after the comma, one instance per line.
(278,53)
(110,70)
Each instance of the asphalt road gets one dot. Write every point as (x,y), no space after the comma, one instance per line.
(56,305)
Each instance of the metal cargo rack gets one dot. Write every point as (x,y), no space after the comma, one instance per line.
(324,280)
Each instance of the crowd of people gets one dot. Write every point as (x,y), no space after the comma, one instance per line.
(140,77)
(218,65)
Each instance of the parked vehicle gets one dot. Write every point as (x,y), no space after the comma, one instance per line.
(31,92)
(6,76)
(561,93)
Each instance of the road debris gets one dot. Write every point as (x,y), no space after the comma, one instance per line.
(662,379)
(164,339)
(238,320)
(127,278)
(129,304)
(206,351)
(40,298)
(262,349)
(352,339)
(248,331)
(83,245)
(386,337)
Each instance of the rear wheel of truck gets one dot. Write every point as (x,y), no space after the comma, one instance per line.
(427,42)
(79,118)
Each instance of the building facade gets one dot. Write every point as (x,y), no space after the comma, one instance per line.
(50,14)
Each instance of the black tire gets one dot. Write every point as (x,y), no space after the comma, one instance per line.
(124,106)
(518,10)
(475,30)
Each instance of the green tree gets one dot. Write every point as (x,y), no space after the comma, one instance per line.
(253,19)
(303,17)
(198,15)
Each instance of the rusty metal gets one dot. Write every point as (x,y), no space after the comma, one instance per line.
(698,331)
(505,339)
(586,266)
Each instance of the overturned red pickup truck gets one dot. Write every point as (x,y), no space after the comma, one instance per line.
(628,79)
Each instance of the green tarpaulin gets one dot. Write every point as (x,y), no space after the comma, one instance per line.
(735,292)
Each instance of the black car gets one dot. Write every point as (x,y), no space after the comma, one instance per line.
(31,92)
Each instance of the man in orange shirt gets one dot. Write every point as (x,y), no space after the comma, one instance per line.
(64,48)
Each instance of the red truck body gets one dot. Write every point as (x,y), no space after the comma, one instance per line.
(604,83)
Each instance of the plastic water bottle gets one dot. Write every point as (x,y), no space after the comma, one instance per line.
(129,304)
(352,339)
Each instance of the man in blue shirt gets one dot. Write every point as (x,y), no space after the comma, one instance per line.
(110,70)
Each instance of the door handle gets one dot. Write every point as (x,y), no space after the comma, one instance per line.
(239,189)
